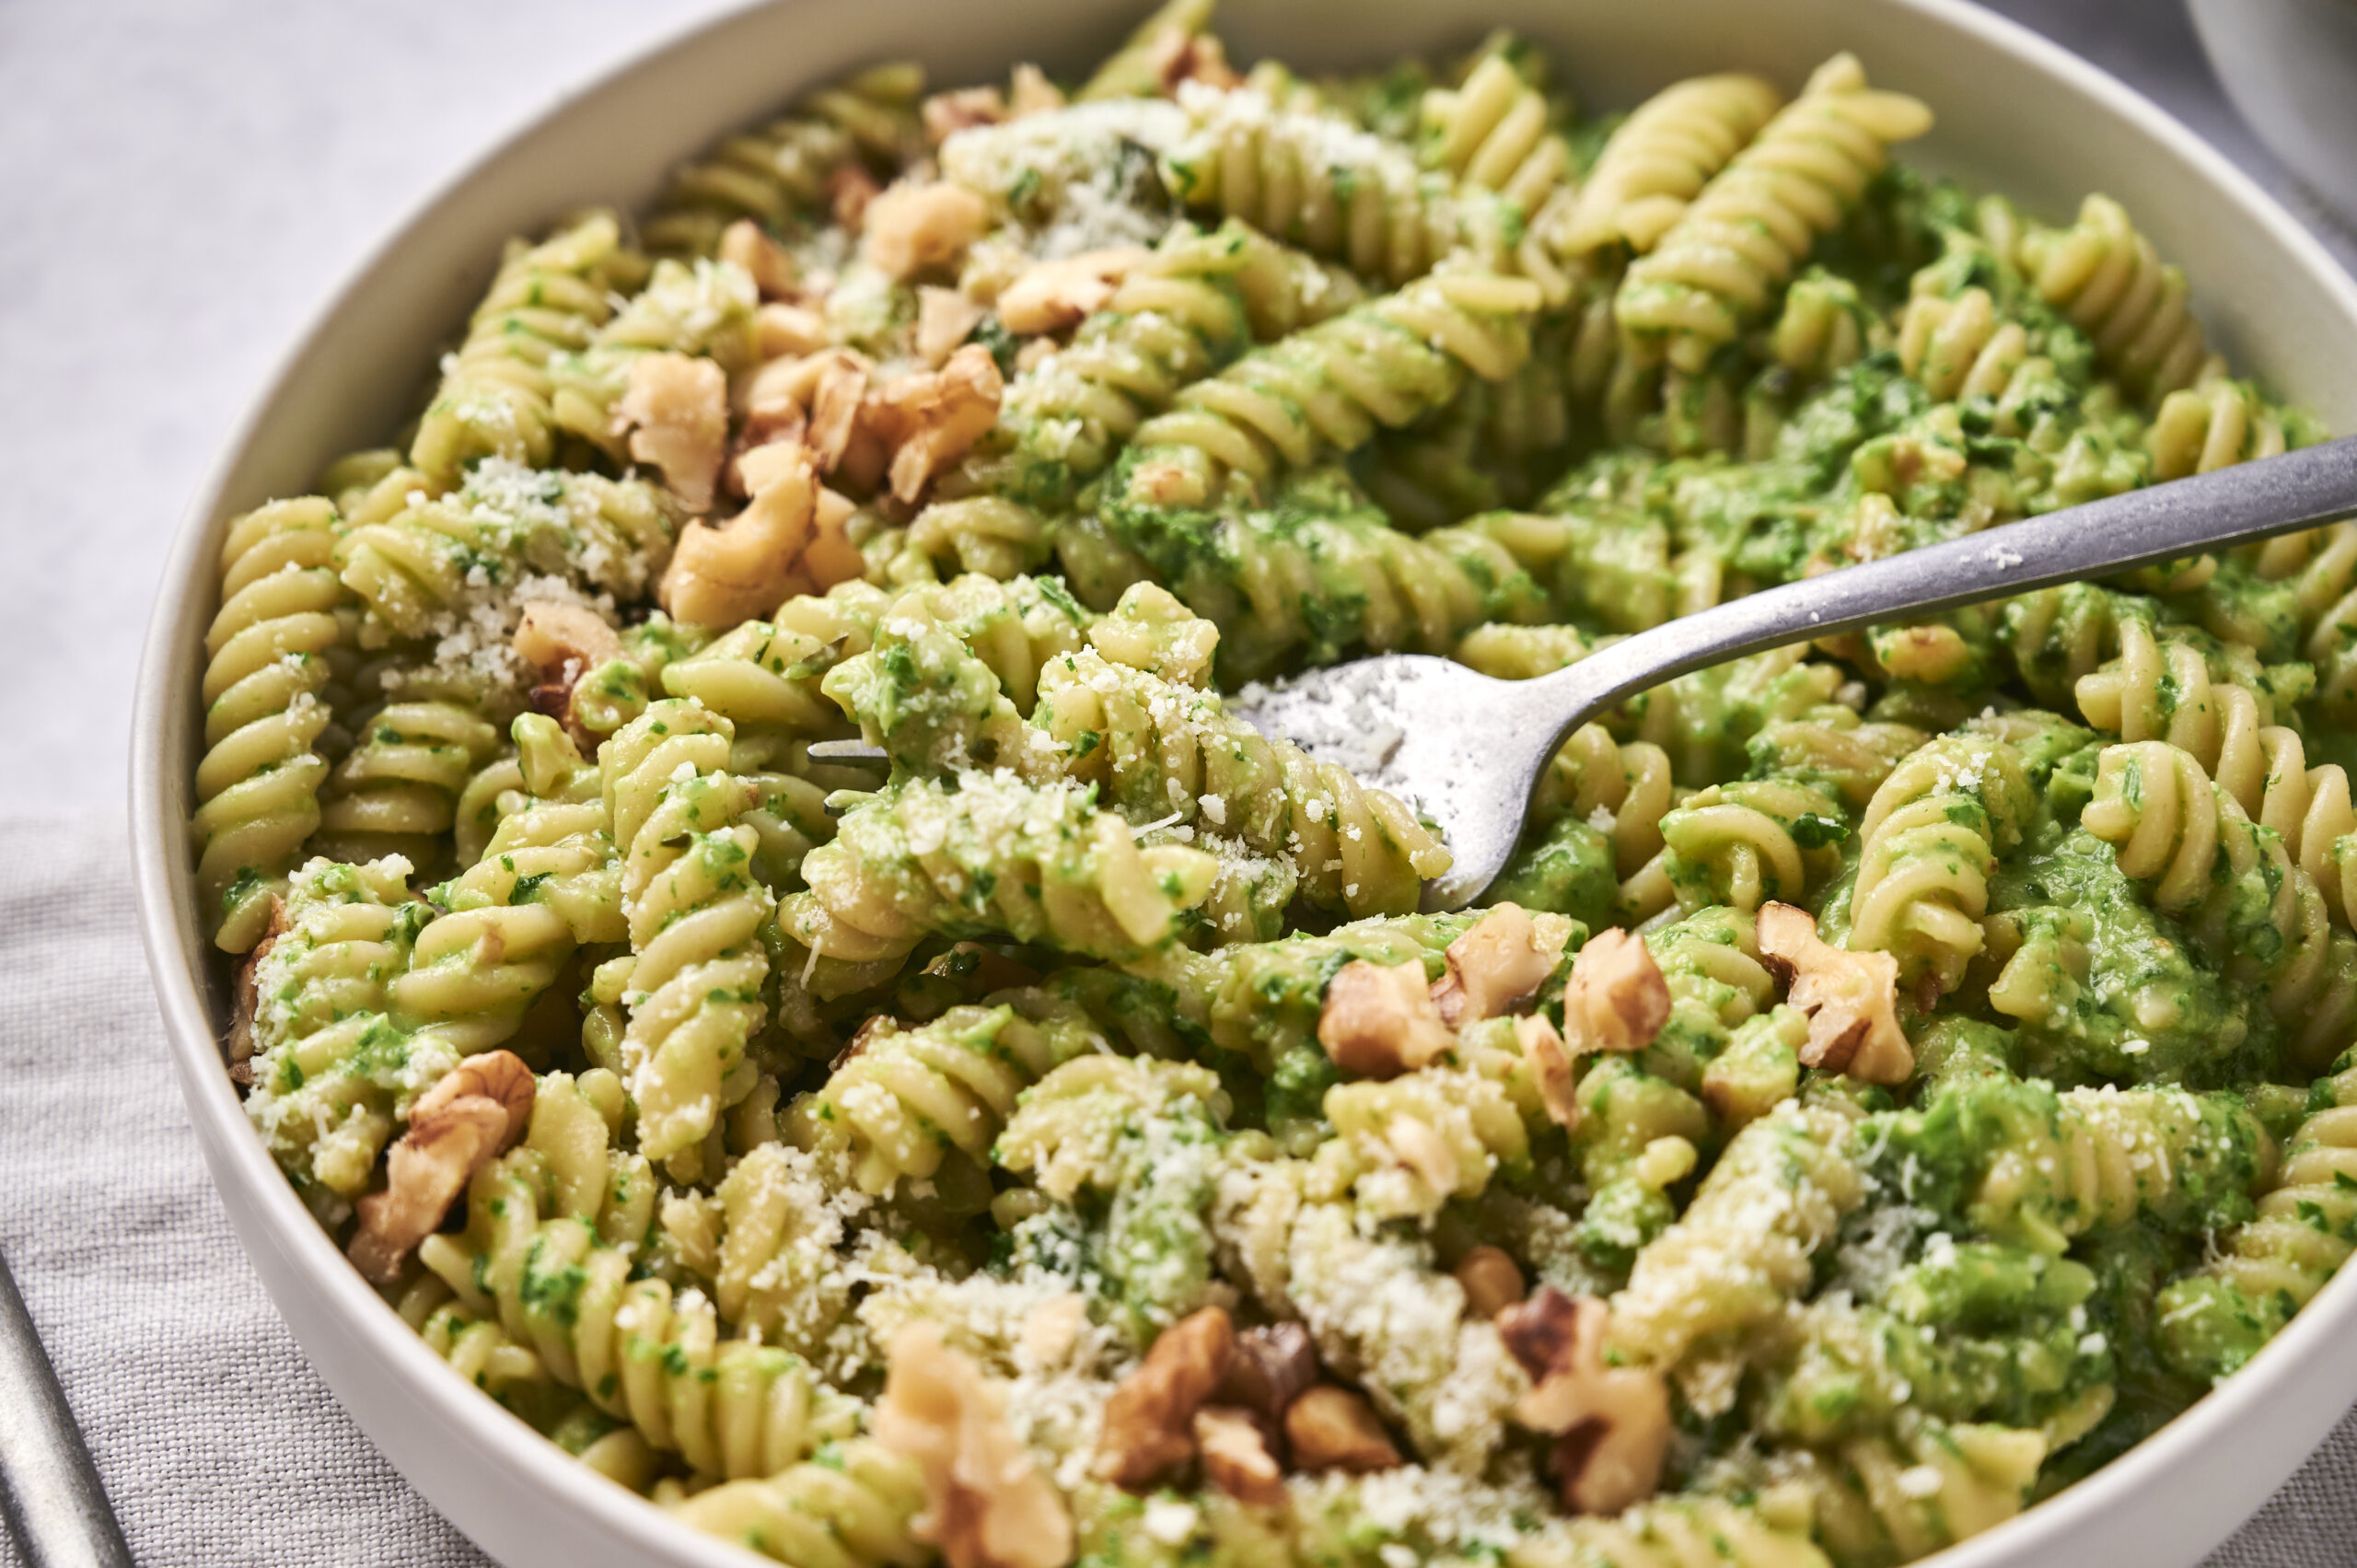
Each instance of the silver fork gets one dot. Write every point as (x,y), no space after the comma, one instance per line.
(1467,750)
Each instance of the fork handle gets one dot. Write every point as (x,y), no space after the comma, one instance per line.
(2298,490)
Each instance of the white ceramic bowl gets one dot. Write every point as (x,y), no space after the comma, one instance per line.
(2014,113)
(2290,67)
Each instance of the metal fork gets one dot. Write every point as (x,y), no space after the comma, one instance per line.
(1467,750)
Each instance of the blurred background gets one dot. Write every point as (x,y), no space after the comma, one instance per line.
(182,182)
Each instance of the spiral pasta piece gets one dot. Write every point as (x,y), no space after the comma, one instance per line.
(2054,1166)
(987,855)
(1312,181)
(2215,1320)
(1929,841)
(270,654)
(1719,265)
(1415,1142)
(1744,842)
(329,1067)
(771,174)
(2213,426)
(1671,1533)
(1661,158)
(547,883)
(2108,279)
(2258,915)
(1958,347)
(857,1508)
(1743,1248)
(1494,132)
(1328,576)
(2058,636)
(2310,810)
(907,1097)
(641,1352)
(2165,691)
(1153,748)
(396,791)
(703,310)
(495,400)
(1329,387)
(695,914)
(418,571)
(1926,1486)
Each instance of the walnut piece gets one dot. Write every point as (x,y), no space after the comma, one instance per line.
(912,226)
(945,114)
(1331,1428)
(930,421)
(1852,999)
(1501,960)
(850,191)
(1616,998)
(1048,296)
(241,1046)
(461,1124)
(1550,1063)
(782,330)
(1490,1281)
(1273,1366)
(945,318)
(746,565)
(1181,56)
(988,1504)
(744,244)
(1029,92)
(1149,1422)
(1380,1022)
(1237,1457)
(836,399)
(563,642)
(1611,1423)
(675,412)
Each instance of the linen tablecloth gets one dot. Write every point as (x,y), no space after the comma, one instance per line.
(218,1443)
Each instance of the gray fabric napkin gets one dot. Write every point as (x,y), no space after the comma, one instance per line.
(219,1443)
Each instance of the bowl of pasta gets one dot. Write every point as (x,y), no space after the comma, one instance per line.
(1896,1104)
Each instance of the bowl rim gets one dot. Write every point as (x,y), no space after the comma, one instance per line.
(238,1163)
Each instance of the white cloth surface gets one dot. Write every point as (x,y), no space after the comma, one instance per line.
(183,179)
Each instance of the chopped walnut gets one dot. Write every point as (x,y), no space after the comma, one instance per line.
(1051,295)
(831,557)
(1180,56)
(563,642)
(1380,1022)
(850,191)
(945,318)
(1490,1281)
(1852,999)
(748,564)
(1273,1366)
(1237,1457)
(1616,999)
(744,244)
(782,331)
(458,1126)
(1051,1328)
(988,1504)
(1550,1063)
(836,397)
(1030,92)
(1331,1428)
(675,413)
(912,226)
(1149,1422)
(1503,958)
(1611,1423)
(240,1050)
(945,114)
(931,421)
